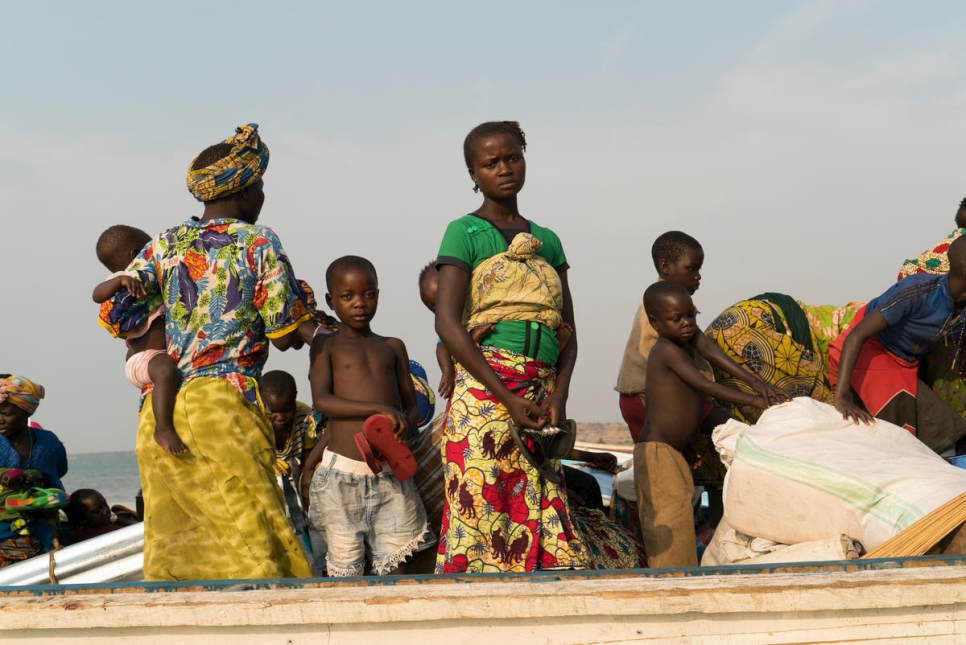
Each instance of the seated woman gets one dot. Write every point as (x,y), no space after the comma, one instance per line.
(29,458)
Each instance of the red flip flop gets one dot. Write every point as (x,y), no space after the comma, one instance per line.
(372,460)
(384,445)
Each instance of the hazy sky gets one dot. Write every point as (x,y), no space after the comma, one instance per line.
(810,147)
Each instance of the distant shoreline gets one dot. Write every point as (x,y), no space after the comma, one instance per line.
(612,432)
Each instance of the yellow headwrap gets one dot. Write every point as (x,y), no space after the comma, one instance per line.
(23,393)
(240,169)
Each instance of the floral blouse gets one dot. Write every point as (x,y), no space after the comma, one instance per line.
(227,287)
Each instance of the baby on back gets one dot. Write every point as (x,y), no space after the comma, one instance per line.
(147,360)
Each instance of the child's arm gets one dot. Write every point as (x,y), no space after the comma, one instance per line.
(337,407)
(106,290)
(868,327)
(407,391)
(683,367)
(447,368)
(308,466)
(716,356)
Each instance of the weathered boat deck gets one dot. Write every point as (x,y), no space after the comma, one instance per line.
(856,601)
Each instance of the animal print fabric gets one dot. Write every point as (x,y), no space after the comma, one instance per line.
(499,513)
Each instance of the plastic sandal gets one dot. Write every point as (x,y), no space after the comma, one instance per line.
(378,432)
(39,499)
(374,462)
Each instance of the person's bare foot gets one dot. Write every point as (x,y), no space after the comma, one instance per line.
(564,332)
(169,440)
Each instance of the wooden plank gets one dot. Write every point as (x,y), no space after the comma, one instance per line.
(876,604)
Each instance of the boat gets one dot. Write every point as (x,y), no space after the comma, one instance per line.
(100,597)
(913,600)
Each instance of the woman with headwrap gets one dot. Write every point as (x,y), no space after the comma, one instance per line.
(228,288)
(29,457)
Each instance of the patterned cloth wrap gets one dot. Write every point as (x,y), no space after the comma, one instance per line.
(13,483)
(22,392)
(515,285)
(240,169)
(425,397)
(227,287)
(219,513)
(609,545)
(754,333)
(934,260)
(500,514)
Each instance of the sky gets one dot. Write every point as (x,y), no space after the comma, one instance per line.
(810,147)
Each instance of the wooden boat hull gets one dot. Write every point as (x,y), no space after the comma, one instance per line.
(873,601)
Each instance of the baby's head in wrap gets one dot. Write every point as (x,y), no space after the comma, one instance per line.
(228,167)
(22,392)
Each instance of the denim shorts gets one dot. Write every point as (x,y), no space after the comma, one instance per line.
(363,513)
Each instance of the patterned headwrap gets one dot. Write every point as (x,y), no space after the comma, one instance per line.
(22,392)
(425,398)
(240,169)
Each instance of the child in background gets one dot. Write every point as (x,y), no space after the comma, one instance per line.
(676,400)
(356,375)
(428,285)
(147,359)
(292,422)
(678,258)
(89,515)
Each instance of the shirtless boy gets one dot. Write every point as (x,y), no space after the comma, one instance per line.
(675,399)
(356,375)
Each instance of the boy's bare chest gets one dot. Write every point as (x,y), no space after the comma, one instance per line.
(364,357)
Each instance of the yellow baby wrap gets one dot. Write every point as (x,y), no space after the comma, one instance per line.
(515,285)
(216,513)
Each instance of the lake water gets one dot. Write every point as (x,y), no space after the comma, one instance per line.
(113,474)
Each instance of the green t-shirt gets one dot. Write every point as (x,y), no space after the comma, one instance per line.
(469,241)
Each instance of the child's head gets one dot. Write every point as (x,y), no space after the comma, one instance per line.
(957,270)
(428,284)
(88,508)
(678,257)
(353,290)
(961,215)
(670,311)
(279,392)
(487,144)
(120,244)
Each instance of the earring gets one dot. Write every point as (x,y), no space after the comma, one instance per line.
(476,187)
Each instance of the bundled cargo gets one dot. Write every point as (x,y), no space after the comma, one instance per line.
(803,473)
(729,546)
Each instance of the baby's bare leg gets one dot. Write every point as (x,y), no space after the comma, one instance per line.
(164,374)
(481,332)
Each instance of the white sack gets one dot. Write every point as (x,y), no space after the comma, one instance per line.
(803,473)
(728,546)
